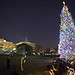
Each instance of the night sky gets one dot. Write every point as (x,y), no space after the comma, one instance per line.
(38,20)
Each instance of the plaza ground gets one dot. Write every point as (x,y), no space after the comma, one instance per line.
(34,65)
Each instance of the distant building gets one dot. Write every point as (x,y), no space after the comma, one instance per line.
(10,46)
(33,45)
(5,45)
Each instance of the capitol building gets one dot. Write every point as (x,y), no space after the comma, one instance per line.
(5,45)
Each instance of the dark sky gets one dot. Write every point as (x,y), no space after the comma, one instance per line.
(39,20)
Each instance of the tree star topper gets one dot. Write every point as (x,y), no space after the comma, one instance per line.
(63,2)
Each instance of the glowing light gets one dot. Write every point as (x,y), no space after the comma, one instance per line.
(66,44)
(4,40)
(63,2)
(14,48)
(33,53)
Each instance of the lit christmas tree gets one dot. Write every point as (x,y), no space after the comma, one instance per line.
(66,46)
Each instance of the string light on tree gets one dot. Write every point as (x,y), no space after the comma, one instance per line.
(66,46)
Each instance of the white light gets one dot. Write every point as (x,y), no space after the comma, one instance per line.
(4,40)
(33,53)
(24,61)
(63,2)
(38,53)
(26,52)
(25,56)
(14,48)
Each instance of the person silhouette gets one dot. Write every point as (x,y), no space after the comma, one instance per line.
(8,62)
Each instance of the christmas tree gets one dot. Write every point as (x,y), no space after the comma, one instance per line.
(66,46)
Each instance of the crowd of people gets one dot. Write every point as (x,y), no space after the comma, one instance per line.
(62,67)
(58,67)
(22,61)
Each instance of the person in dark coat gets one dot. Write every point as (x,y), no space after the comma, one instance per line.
(59,66)
(8,62)
(64,69)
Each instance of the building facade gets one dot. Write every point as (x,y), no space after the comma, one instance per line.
(5,45)
(33,45)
